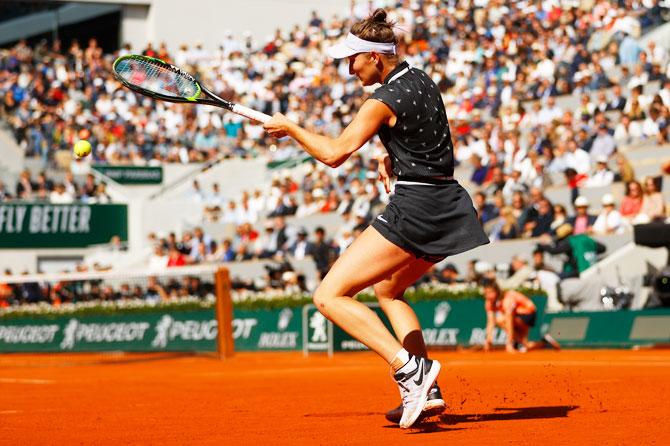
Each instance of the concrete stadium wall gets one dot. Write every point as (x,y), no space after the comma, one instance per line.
(20,260)
(11,155)
(156,21)
(660,35)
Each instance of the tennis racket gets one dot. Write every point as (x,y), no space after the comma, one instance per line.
(160,80)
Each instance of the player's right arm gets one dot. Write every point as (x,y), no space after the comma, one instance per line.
(335,151)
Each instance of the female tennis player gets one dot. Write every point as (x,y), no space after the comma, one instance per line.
(515,313)
(429,217)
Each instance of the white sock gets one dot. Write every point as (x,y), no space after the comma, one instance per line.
(400,360)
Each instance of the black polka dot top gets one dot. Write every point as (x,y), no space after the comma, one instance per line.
(420,142)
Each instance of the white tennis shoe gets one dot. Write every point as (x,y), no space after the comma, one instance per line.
(414,387)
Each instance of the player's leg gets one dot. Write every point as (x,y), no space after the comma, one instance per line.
(521,334)
(547,340)
(390,292)
(406,326)
(370,259)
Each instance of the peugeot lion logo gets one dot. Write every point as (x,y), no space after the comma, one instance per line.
(284,319)
(441,313)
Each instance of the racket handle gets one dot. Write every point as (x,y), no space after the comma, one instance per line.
(251,114)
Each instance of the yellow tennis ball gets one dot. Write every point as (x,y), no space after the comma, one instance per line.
(82,148)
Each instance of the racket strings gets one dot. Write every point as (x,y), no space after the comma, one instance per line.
(156,78)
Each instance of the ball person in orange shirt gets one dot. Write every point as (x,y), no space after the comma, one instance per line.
(515,313)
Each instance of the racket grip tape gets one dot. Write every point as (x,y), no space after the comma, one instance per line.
(250,113)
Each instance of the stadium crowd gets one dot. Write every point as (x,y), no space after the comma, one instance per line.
(488,57)
(500,66)
(41,188)
(152,289)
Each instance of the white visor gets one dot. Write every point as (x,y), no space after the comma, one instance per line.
(354,45)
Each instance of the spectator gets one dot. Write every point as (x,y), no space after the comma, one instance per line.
(308,207)
(485,211)
(60,196)
(540,223)
(603,144)
(514,184)
(175,257)
(4,193)
(225,252)
(497,181)
(268,242)
(629,51)
(521,212)
(506,226)
(560,217)
(632,201)
(601,176)
(302,247)
(609,220)
(582,221)
(213,203)
(449,274)
(581,250)
(158,259)
(520,273)
(25,187)
(155,291)
(6,292)
(322,252)
(625,170)
(653,204)
(618,101)
(479,170)
(577,159)
(116,245)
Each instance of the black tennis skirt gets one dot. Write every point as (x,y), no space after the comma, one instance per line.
(432,221)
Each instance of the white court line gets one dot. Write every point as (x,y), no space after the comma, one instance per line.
(9,412)
(25,381)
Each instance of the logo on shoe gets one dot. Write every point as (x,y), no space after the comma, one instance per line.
(419,380)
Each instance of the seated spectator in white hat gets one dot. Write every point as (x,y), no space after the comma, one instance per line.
(609,220)
(601,175)
(582,221)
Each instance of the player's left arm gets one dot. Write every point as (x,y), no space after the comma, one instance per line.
(334,151)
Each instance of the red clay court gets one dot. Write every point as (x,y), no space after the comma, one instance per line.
(567,397)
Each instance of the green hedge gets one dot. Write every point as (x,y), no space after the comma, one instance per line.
(250,302)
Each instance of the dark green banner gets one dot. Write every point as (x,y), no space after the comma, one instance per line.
(32,225)
(610,328)
(155,331)
(444,324)
(133,175)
